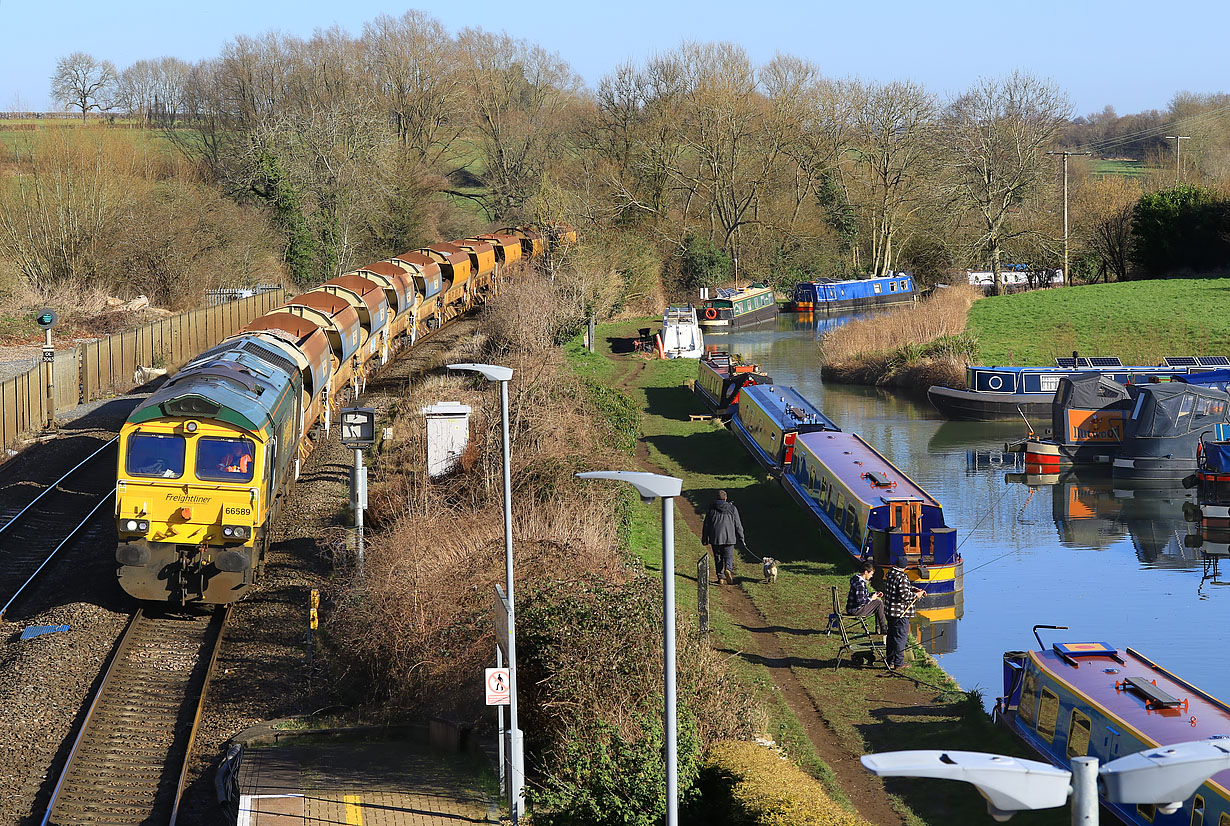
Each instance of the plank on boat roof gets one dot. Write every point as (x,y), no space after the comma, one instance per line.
(1151,692)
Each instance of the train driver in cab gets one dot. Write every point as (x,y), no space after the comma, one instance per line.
(238,461)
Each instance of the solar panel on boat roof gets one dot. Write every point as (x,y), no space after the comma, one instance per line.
(1105,361)
(1213,361)
(1066,362)
(1181,361)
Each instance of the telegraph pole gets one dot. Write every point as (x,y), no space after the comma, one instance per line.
(1177,144)
(1066,278)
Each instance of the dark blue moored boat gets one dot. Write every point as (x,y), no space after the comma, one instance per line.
(872,510)
(1164,430)
(1080,699)
(830,296)
(768,419)
(1088,418)
(1009,392)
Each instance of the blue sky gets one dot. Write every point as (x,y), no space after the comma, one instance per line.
(1132,55)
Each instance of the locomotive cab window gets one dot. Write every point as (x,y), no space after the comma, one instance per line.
(155,454)
(224,460)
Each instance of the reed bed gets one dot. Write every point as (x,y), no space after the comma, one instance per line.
(912,347)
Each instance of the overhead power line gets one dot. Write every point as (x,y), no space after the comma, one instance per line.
(1155,131)
(1178,141)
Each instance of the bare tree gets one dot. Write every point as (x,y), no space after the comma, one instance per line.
(1103,206)
(996,136)
(83,82)
(413,65)
(893,125)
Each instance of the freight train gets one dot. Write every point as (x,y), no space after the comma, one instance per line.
(206,461)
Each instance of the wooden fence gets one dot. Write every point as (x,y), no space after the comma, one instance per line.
(108,366)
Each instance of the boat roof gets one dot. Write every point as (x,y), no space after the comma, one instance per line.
(1086,668)
(851,459)
(729,293)
(836,281)
(785,405)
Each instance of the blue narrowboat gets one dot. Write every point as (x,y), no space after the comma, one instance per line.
(769,418)
(1082,699)
(1009,392)
(1213,491)
(870,508)
(1164,430)
(830,296)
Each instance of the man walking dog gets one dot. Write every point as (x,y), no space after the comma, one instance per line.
(723,529)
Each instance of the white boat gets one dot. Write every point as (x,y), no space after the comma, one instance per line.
(681,336)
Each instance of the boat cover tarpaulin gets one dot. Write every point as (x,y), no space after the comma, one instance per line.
(1217,379)
(1087,391)
(1217,457)
(1170,418)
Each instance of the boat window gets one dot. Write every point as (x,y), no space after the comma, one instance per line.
(904,285)
(1048,714)
(155,454)
(224,460)
(1224,820)
(1198,811)
(841,504)
(876,286)
(1029,698)
(1147,811)
(1078,735)
(852,523)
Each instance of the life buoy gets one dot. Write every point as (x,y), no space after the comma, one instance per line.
(710,313)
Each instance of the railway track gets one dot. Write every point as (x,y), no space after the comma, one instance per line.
(129,761)
(33,532)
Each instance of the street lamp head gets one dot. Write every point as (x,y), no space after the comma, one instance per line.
(491,372)
(1009,784)
(1165,776)
(649,485)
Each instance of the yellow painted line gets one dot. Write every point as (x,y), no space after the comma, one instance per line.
(354,810)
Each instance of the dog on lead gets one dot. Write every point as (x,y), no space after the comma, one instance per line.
(770,569)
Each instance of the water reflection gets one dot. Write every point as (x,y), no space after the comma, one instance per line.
(1113,564)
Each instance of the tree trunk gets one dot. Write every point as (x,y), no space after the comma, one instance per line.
(996,270)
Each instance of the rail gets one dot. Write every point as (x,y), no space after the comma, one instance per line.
(133,741)
(41,519)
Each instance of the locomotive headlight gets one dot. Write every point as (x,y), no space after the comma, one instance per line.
(234,531)
(131,525)
(228,531)
(136,525)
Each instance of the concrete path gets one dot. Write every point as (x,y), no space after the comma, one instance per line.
(359,784)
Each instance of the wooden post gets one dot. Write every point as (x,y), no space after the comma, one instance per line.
(702,593)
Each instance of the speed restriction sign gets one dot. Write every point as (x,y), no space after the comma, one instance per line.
(497,686)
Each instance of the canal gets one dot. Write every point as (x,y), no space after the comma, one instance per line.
(1112,565)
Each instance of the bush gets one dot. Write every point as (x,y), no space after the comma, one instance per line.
(749,785)
(703,264)
(1182,228)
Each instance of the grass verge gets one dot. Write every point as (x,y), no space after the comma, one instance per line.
(865,709)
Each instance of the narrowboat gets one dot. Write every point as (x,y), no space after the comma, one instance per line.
(681,335)
(720,377)
(769,418)
(1164,430)
(830,296)
(1081,699)
(1088,415)
(732,307)
(1010,392)
(872,510)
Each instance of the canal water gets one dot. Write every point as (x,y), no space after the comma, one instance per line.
(1113,565)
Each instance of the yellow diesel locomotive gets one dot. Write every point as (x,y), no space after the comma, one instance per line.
(205,462)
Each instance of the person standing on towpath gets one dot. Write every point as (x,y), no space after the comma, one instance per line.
(900,595)
(723,529)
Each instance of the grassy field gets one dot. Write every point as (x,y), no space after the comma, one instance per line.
(1127,168)
(1139,321)
(852,703)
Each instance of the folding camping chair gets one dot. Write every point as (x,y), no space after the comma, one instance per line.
(857,640)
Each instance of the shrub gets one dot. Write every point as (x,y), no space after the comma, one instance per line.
(1182,228)
(749,785)
(703,264)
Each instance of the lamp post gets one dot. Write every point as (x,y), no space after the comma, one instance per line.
(653,486)
(516,764)
(1164,776)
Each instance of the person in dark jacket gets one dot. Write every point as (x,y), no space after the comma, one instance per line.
(723,529)
(860,602)
(900,596)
